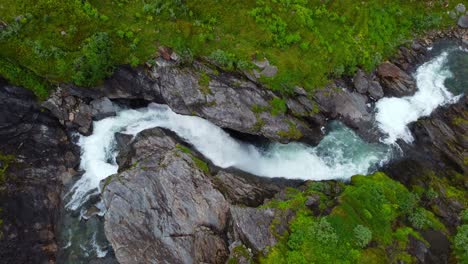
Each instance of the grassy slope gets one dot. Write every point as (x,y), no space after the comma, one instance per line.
(310,41)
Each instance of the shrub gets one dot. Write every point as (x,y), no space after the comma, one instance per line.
(363,235)
(96,62)
(460,243)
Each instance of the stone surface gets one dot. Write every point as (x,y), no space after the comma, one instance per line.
(360,81)
(252,225)
(30,198)
(102,108)
(375,90)
(463,21)
(395,82)
(164,208)
(349,107)
(241,188)
(229,102)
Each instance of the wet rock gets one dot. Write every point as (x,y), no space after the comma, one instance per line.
(70,110)
(164,208)
(102,108)
(360,81)
(252,226)
(241,188)
(417,248)
(349,107)
(375,90)
(30,199)
(463,21)
(395,82)
(231,103)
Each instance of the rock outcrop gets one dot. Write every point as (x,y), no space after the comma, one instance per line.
(30,197)
(164,208)
(437,159)
(395,81)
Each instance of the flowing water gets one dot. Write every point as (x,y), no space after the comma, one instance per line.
(339,155)
(432,78)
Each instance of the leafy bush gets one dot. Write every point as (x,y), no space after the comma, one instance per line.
(96,62)
(460,243)
(363,235)
(227,60)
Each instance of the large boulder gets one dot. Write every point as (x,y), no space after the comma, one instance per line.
(349,107)
(395,81)
(164,209)
(463,21)
(230,102)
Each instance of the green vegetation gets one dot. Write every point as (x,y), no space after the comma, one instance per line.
(460,240)
(278,106)
(5,162)
(292,133)
(309,40)
(373,208)
(203,166)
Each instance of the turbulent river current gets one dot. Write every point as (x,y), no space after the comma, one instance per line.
(340,154)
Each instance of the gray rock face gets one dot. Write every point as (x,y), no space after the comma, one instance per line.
(71,111)
(102,108)
(349,107)
(230,103)
(252,226)
(395,82)
(245,189)
(30,197)
(360,81)
(463,21)
(164,209)
(375,90)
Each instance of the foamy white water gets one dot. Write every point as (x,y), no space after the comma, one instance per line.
(339,155)
(394,114)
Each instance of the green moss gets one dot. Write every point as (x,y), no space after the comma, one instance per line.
(240,252)
(203,166)
(5,162)
(107,181)
(258,125)
(204,82)
(292,133)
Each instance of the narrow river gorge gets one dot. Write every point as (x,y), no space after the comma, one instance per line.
(340,154)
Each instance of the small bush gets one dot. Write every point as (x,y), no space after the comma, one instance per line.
(460,243)
(96,62)
(363,235)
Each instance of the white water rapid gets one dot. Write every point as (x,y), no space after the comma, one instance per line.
(338,156)
(394,114)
